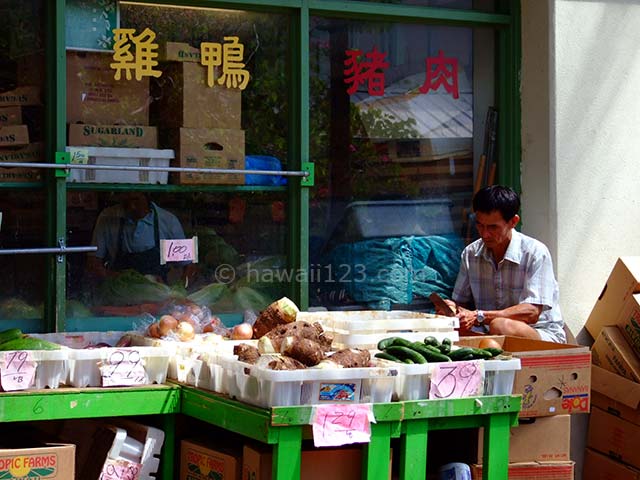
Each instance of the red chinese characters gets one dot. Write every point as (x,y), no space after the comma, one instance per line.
(367,70)
(441,71)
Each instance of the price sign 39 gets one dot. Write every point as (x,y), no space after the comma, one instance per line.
(457,379)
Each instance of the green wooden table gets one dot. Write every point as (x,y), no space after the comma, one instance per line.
(282,427)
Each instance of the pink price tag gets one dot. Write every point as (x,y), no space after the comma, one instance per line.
(18,370)
(457,379)
(120,469)
(123,368)
(342,424)
(183,250)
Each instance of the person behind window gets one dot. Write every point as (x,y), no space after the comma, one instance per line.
(128,236)
(506,284)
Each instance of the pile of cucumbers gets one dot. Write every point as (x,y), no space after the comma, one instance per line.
(398,349)
(14,339)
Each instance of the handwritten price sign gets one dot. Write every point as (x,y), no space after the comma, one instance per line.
(18,370)
(342,424)
(123,368)
(183,250)
(120,469)
(457,379)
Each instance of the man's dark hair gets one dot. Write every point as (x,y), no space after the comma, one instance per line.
(497,197)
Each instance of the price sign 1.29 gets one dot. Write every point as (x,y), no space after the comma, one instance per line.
(179,250)
(18,370)
(457,379)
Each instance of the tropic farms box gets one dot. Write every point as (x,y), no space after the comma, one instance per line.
(50,461)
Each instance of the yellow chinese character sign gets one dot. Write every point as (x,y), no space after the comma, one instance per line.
(143,57)
(229,56)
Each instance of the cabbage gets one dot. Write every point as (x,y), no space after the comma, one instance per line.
(133,288)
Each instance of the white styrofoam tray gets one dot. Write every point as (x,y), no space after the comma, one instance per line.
(129,157)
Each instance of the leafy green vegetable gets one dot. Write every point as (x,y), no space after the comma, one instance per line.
(133,288)
(15,308)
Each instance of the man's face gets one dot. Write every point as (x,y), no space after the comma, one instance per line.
(135,205)
(494,230)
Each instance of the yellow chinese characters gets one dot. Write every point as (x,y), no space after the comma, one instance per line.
(229,56)
(141,60)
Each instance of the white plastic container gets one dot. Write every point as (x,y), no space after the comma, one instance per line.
(365,328)
(414,380)
(51,367)
(269,388)
(131,157)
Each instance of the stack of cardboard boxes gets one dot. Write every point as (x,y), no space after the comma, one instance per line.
(202,122)
(555,382)
(614,425)
(16,145)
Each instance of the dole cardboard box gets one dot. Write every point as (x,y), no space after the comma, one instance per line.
(179,52)
(208,148)
(623,281)
(183,98)
(525,444)
(31,153)
(121,136)
(612,352)
(614,436)
(602,467)
(554,379)
(316,464)
(533,471)
(10,116)
(52,461)
(202,462)
(95,97)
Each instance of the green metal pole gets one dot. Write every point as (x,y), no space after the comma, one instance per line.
(413,450)
(287,454)
(496,447)
(375,461)
(167,459)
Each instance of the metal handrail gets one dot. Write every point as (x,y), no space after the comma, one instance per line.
(58,250)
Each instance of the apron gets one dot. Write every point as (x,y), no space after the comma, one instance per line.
(146,262)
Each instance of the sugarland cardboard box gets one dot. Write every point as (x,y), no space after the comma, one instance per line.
(623,282)
(204,462)
(614,436)
(10,116)
(316,464)
(612,352)
(554,379)
(533,471)
(182,98)
(208,148)
(121,136)
(602,467)
(31,153)
(50,461)
(95,97)
(525,443)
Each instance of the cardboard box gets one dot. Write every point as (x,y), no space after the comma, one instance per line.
(200,462)
(31,153)
(179,52)
(95,97)
(525,444)
(14,136)
(208,148)
(121,136)
(182,98)
(554,379)
(612,352)
(533,471)
(615,394)
(27,95)
(51,461)
(10,116)
(614,436)
(601,467)
(628,320)
(317,464)
(623,281)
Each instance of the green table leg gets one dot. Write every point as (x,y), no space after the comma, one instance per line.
(413,453)
(168,456)
(496,447)
(287,454)
(375,461)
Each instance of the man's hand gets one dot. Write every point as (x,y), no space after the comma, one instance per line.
(467,318)
(449,310)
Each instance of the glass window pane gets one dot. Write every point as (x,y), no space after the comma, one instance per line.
(216,99)
(480,5)
(397,134)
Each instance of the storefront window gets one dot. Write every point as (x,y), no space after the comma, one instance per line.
(397,129)
(22,218)
(481,5)
(217,98)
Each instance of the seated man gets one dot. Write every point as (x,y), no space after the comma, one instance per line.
(506,284)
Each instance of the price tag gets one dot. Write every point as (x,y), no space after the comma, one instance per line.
(123,368)
(120,469)
(183,250)
(342,424)
(79,156)
(18,370)
(457,379)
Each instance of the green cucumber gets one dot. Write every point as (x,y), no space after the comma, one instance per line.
(10,334)
(461,352)
(482,354)
(387,356)
(431,341)
(433,355)
(405,352)
(494,351)
(386,342)
(401,342)
(445,348)
(28,343)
